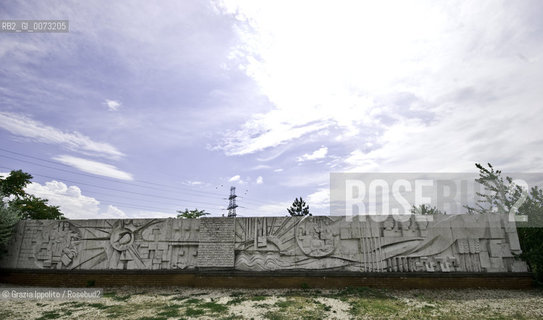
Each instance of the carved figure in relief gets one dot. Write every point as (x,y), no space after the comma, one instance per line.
(314,236)
(452,243)
(57,245)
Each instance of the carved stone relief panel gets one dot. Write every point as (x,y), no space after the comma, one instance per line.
(454,243)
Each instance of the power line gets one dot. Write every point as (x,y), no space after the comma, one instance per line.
(138,199)
(187,190)
(97,176)
(128,192)
(129,198)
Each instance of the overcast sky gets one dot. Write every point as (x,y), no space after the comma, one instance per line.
(146,108)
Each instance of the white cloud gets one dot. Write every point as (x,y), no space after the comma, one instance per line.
(75,205)
(23,126)
(115,212)
(260,167)
(94,167)
(278,170)
(273,210)
(311,179)
(458,141)
(319,199)
(235,178)
(151,215)
(260,134)
(456,61)
(113,105)
(259,180)
(194,183)
(72,203)
(317,154)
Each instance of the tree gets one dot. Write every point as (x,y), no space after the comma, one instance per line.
(424,209)
(299,208)
(9,216)
(192,214)
(504,196)
(15,183)
(30,206)
(499,195)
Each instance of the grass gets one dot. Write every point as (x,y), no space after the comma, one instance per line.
(383,307)
(307,304)
(170,311)
(214,307)
(193,301)
(114,296)
(49,315)
(191,312)
(296,307)
(236,300)
(98,305)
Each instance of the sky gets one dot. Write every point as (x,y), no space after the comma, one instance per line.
(149,107)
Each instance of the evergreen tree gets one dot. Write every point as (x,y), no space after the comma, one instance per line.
(298,208)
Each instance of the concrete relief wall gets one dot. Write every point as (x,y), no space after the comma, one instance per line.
(451,243)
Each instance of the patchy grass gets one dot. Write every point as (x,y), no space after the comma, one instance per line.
(193,301)
(258,298)
(170,311)
(115,297)
(296,307)
(214,307)
(385,308)
(307,304)
(49,315)
(98,305)
(191,312)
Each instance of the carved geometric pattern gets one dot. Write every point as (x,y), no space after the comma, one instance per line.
(455,243)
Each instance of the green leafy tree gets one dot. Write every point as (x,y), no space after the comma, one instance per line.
(30,207)
(9,216)
(298,208)
(192,214)
(424,209)
(503,196)
(15,183)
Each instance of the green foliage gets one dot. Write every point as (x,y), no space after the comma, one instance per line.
(36,208)
(504,196)
(9,215)
(426,210)
(191,312)
(499,194)
(192,214)
(30,207)
(15,183)
(298,208)
(530,233)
